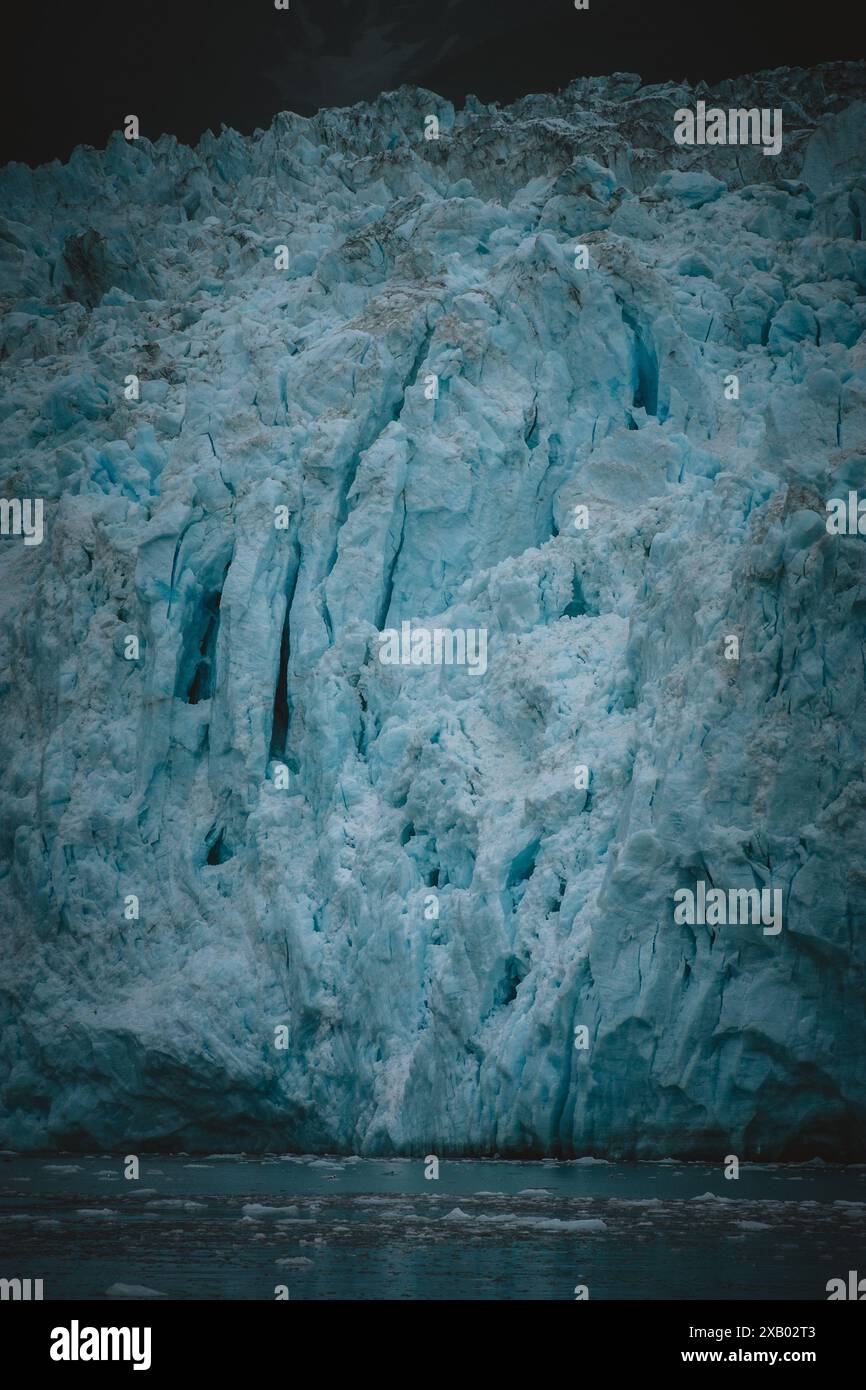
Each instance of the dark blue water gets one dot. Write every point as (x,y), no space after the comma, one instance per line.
(232,1227)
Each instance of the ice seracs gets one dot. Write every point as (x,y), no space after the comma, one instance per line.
(260,889)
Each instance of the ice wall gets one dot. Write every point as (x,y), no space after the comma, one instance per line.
(377,910)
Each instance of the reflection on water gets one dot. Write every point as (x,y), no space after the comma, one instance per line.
(227,1226)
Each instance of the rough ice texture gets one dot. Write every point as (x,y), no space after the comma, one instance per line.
(305,387)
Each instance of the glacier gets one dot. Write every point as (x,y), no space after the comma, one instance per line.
(551,376)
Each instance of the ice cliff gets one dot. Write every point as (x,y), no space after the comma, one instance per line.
(222,858)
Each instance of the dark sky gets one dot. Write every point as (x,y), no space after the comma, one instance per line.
(73,71)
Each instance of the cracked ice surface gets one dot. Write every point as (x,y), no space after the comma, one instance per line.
(306,388)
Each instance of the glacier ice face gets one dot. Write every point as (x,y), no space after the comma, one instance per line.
(401,426)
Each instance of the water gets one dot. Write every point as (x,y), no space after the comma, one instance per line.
(236,1227)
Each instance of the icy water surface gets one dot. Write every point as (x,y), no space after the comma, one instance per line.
(235,1227)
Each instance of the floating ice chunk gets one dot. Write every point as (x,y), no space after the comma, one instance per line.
(262,1209)
(133,1291)
(588,1224)
(176,1204)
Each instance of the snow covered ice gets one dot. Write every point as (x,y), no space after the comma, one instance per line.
(253,461)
